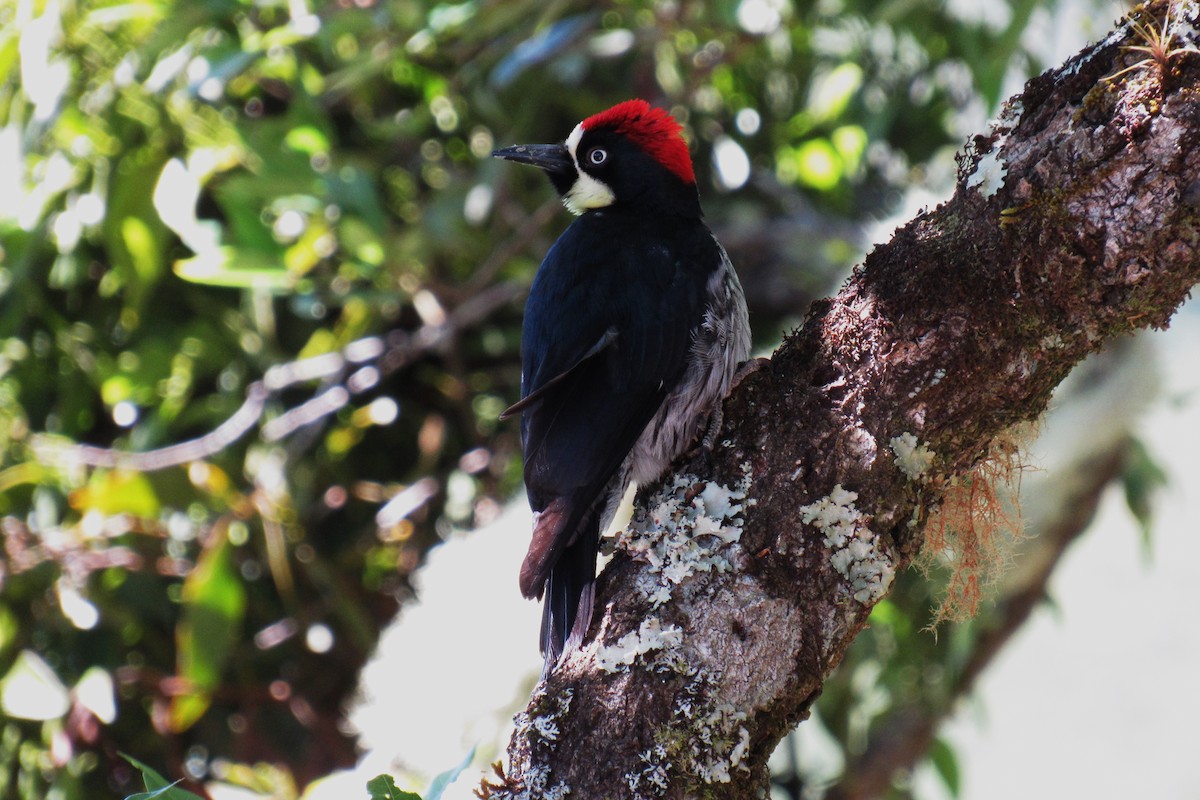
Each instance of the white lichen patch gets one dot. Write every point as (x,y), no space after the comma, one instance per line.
(686,528)
(738,754)
(724,753)
(1052,341)
(703,744)
(546,728)
(989,173)
(1025,365)
(855,552)
(1186,26)
(1084,57)
(718,741)
(935,378)
(651,636)
(548,711)
(913,458)
(537,786)
(1010,115)
(653,778)
(541,727)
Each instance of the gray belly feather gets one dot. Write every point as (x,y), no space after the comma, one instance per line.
(719,344)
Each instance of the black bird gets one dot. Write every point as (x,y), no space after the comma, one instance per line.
(634,328)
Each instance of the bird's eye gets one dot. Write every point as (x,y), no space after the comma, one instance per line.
(597,156)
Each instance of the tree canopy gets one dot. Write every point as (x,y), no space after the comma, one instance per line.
(260,291)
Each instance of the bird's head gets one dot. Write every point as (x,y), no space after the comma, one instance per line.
(631,155)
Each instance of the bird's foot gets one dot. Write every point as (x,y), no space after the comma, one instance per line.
(746,369)
(716,418)
(715,421)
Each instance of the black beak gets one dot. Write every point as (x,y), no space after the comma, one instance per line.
(553,158)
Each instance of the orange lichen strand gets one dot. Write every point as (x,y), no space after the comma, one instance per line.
(973,530)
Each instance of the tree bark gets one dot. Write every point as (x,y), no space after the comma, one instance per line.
(1088,439)
(1075,221)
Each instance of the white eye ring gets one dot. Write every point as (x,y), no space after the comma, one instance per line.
(597,156)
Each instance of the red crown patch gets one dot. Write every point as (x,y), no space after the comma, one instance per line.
(652,129)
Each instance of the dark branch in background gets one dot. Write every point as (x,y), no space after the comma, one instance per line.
(1075,222)
(358,367)
(528,228)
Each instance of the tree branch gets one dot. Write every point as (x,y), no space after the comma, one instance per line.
(1088,440)
(1074,222)
(356,368)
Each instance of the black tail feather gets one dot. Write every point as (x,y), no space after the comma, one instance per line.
(570,591)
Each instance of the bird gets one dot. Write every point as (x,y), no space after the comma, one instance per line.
(634,329)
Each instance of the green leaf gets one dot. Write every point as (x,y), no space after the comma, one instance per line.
(850,142)
(156,785)
(831,92)
(307,139)
(115,389)
(10,624)
(945,762)
(143,249)
(214,603)
(117,492)
(133,233)
(439,783)
(383,787)
(237,269)
(820,166)
(1141,479)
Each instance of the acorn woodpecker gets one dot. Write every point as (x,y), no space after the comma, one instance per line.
(634,328)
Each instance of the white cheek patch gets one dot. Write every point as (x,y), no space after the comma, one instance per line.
(587,192)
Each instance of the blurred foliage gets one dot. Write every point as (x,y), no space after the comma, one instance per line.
(196,193)
(1142,479)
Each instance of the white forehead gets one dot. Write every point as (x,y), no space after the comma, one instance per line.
(587,192)
(573,142)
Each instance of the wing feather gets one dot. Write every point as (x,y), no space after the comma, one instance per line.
(606,338)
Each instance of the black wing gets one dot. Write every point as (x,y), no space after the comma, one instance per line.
(608,326)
